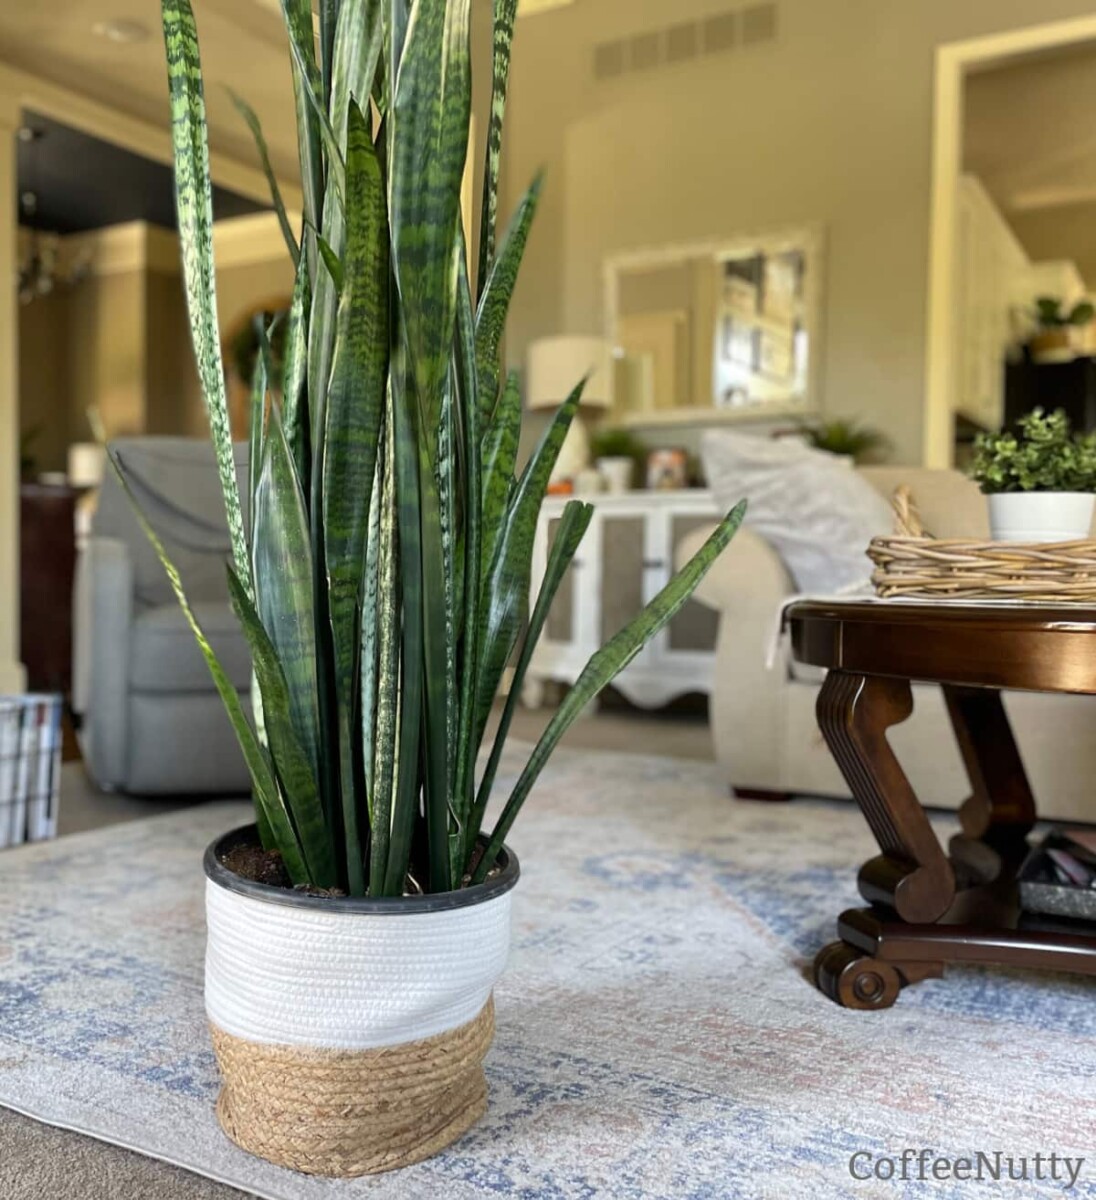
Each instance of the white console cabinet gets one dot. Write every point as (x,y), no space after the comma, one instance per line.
(625,559)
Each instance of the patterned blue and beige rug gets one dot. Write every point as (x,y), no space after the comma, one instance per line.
(657,1036)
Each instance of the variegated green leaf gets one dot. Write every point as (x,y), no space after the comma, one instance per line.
(334,164)
(194,210)
(355,403)
(429,146)
(248,113)
(500,452)
(267,796)
(384,748)
(504,17)
(295,771)
(359,39)
(283,582)
(307,86)
(505,600)
(294,372)
(572,528)
(497,291)
(605,666)
(405,804)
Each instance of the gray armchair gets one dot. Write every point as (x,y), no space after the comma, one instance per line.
(153,723)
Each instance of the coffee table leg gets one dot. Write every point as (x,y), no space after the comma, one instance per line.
(913,875)
(1001,798)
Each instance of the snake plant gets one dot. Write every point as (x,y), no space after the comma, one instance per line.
(382,546)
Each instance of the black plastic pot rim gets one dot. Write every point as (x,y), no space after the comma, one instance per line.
(499,883)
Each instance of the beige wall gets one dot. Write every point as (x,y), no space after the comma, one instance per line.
(830,123)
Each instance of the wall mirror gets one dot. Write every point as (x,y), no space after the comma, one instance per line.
(719,330)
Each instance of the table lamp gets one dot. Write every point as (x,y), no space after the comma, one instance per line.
(553,367)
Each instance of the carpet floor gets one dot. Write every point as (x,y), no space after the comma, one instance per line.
(657,1035)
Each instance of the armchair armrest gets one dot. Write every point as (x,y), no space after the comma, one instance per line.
(102,625)
(749,574)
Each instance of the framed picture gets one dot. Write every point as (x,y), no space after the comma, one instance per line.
(667,469)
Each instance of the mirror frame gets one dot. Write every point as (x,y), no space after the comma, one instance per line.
(807,237)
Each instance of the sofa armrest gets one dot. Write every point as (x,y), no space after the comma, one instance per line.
(749,573)
(102,626)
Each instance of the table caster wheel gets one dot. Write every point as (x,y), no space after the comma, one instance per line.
(854,980)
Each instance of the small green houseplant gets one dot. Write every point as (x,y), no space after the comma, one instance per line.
(1053,339)
(619,456)
(382,580)
(1040,479)
(847,438)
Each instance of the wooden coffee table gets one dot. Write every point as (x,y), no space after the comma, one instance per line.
(929,905)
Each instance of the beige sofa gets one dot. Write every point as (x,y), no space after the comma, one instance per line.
(763,724)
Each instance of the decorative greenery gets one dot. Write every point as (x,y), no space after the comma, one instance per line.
(848,438)
(1043,455)
(1049,313)
(384,583)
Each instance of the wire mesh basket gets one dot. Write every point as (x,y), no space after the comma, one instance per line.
(30,768)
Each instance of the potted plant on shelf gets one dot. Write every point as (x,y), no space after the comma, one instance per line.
(1053,339)
(383,584)
(1040,479)
(618,455)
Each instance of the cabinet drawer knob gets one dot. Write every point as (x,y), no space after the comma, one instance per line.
(654,564)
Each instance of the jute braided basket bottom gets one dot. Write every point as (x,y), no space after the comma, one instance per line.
(357,1112)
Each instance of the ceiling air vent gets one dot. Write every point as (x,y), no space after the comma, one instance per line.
(646,51)
(681,43)
(608,60)
(758,24)
(720,32)
(715,34)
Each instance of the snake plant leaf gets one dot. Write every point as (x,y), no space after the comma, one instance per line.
(604,667)
(333,156)
(295,771)
(255,429)
(429,145)
(332,263)
(307,86)
(500,452)
(357,50)
(506,592)
(329,11)
(506,12)
(439,672)
(294,369)
(194,211)
(272,810)
(283,582)
(405,803)
(573,524)
(466,560)
(248,113)
(355,404)
(384,747)
(369,622)
(497,292)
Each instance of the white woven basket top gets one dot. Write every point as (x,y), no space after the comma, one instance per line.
(352,981)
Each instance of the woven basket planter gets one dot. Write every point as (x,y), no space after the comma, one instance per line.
(350,1033)
(915,565)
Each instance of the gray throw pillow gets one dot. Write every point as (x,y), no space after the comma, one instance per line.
(812,507)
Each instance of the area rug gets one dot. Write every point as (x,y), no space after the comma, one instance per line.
(657,1033)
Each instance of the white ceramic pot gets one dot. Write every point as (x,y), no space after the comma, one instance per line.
(1040,516)
(617,473)
(321,1009)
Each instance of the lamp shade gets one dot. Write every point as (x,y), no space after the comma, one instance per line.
(554,365)
(86,461)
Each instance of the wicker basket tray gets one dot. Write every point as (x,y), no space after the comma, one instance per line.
(914,564)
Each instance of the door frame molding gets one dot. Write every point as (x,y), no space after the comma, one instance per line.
(954,61)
